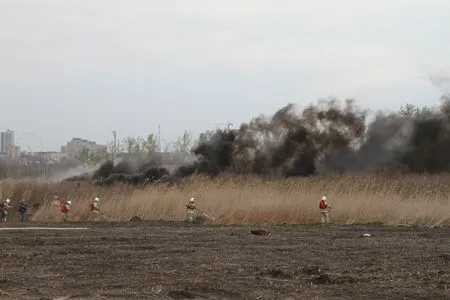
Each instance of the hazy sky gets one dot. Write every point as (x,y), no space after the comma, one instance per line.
(83,68)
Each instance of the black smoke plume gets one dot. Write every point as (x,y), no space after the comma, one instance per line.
(322,139)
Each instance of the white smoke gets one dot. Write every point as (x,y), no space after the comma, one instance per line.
(77,171)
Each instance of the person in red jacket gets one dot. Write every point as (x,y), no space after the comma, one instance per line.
(65,209)
(324,210)
(95,209)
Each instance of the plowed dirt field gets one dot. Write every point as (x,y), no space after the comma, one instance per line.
(175,260)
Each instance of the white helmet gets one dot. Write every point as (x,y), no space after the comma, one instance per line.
(69,202)
(96,199)
(192,200)
(324,198)
(8,201)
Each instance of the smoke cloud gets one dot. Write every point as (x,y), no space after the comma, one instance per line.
(324,138)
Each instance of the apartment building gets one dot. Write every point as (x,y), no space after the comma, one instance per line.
(73,147)
(7,142)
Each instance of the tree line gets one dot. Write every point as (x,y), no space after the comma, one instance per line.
(132,145)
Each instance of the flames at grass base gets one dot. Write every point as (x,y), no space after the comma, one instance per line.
(322,139)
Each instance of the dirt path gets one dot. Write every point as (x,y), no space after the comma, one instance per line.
(171,260)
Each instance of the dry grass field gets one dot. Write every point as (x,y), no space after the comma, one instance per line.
(417,200)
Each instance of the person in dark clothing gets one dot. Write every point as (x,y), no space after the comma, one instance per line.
(23,208)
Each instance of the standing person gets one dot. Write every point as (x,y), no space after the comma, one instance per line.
(4,206)
(23,208)
(94,208)
(191,211)
(65,209)
(55,201)
(324,207)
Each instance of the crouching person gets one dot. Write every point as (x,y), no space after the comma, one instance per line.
(95,209)
(23,208)
(191,211)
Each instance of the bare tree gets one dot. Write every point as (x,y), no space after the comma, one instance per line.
(185,142)
(117,148)
(150,144)
(415,112)
(133,145)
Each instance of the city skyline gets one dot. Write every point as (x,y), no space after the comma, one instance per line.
(8,144)
(85,69)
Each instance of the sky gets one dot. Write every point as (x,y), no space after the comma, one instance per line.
(82,68)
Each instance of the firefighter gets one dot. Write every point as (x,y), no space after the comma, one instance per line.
(65,209)
(23,208)
(324,210)
(4,206)
(55,201)
(94,208)
(191,211)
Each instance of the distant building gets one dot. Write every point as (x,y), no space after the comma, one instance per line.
(73,147)
(15,152)
(50,156)
(7,142)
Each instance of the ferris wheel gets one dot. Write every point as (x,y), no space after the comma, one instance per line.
(35,137)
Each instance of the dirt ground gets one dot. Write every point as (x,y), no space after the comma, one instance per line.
(175,260)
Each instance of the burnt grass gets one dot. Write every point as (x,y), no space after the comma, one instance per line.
(176,260)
